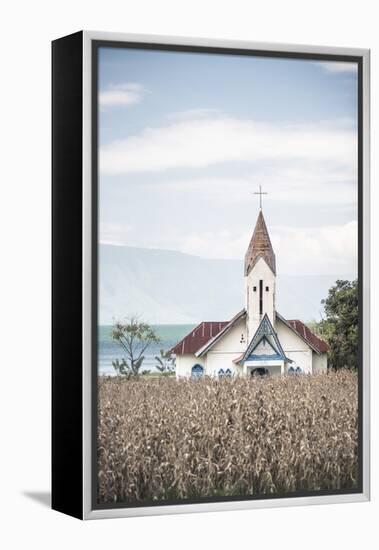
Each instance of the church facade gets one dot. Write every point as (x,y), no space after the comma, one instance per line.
(257,340)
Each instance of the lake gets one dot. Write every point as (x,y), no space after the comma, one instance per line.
(109,350)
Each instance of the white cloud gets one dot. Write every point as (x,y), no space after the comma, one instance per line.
(338,66)
(317,250)
(324,250)
(203,142)
(299,250)
(121,94)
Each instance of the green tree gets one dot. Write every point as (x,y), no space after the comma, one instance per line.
(134,337)
(340,326)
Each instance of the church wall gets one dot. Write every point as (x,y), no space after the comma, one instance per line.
(302,359)
(222,354)
(184,364)
(294,347)
(212,363)
(219,360)
(230,342)
(320,363)
(260,271)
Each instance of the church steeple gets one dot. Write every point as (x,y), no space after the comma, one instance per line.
(260,246)
(260,277)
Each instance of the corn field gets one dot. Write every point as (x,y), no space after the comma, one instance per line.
(162,439)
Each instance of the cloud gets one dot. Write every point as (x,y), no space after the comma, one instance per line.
(203,142)
(338,66)
(299,250)
(321,250)
(121,94)
(324,250)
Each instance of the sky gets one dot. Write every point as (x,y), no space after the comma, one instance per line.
(186,139)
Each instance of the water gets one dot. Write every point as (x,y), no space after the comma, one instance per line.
(109,350)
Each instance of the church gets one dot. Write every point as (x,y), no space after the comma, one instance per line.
(257,340)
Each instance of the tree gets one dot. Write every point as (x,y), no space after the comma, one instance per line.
(134,337)
(340,326)
(165,362)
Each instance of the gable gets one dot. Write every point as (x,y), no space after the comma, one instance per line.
(264,347)
(263,351)
(291,340)
(230,340)
(314,341)
(295,334)
(265,343)
(221,335)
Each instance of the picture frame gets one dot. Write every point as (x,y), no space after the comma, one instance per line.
(75,263)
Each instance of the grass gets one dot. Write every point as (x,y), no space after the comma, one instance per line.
(159,438)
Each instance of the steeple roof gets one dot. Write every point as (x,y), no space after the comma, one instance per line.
(260,247)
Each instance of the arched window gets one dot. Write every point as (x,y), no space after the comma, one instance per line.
(197,371)
(291,370)
(298,370)
(221,372)
(228,372)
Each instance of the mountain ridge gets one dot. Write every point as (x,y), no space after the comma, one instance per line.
(168,287)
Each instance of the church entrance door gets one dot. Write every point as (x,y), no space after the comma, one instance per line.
(259,371)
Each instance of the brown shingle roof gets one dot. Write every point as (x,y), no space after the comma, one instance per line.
(198,337)
(260,246)
(207,330)
(313,340)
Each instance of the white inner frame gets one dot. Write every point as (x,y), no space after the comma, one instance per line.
(88,512)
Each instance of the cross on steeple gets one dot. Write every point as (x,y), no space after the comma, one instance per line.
(260,193)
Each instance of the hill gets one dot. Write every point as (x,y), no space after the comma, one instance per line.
(165,286)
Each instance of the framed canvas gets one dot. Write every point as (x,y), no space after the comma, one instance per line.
(210,275)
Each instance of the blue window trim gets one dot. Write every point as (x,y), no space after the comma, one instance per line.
(197,370)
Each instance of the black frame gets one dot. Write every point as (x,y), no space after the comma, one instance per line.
(67,416)
(67,370)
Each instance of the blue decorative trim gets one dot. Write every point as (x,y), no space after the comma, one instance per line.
(266,332)
(293,370)
(197,371)
(272,357)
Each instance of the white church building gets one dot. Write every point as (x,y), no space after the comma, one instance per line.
(258,340)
